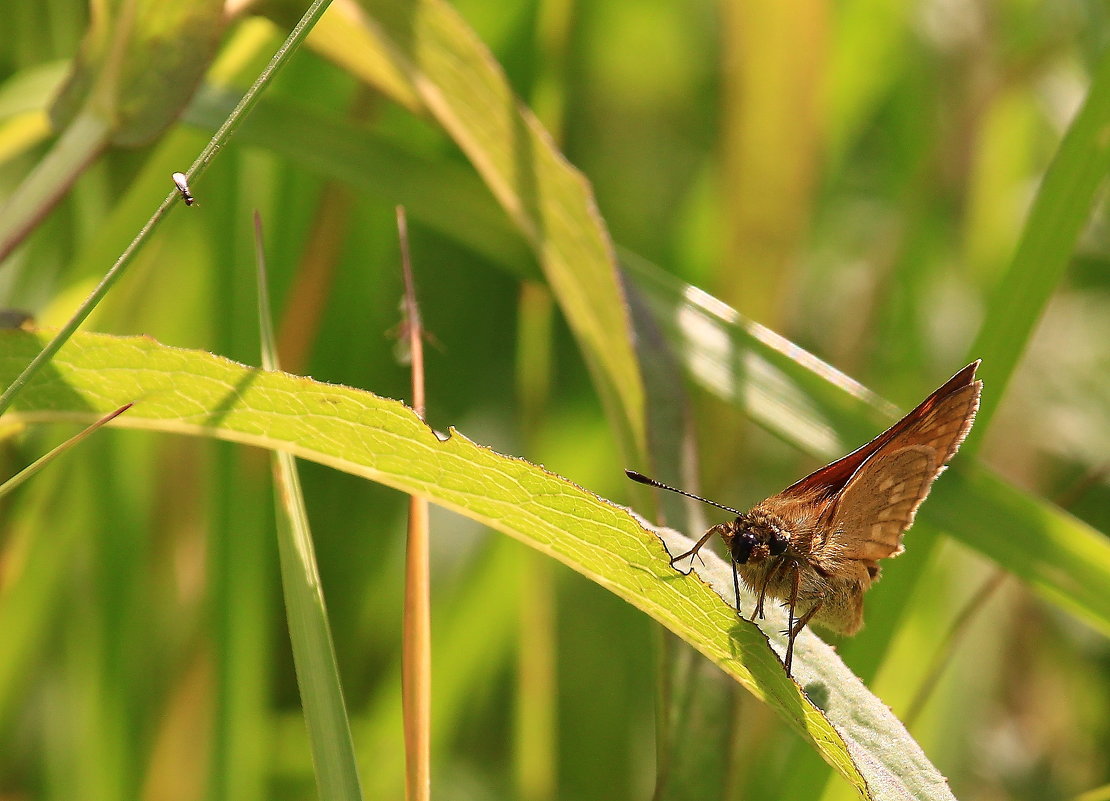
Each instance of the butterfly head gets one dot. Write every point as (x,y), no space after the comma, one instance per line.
(755,536)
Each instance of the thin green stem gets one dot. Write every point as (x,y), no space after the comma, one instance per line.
(45,459)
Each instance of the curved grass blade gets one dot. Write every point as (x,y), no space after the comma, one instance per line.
(1064,202)
(458,81)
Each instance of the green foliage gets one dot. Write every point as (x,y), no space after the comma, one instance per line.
(380,439)
(856,177)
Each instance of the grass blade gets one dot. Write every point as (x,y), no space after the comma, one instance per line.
(1061,210)
(333,751)
(460,83)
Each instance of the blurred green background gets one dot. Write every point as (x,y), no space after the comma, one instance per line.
(853,175)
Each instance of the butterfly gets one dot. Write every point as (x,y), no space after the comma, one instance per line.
(816,545)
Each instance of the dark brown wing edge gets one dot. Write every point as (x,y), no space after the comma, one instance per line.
(832,478)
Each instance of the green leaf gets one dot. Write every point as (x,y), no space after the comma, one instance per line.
(190,392)
(791,393)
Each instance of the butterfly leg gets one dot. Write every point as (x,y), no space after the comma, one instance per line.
(694,551)
(775,573)
(796,626)
(791,633)
(762,594)
(736,586)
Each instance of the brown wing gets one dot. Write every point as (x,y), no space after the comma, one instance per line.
(879,502)
(833,478)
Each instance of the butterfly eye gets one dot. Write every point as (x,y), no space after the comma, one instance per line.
(777,546)
(741,547)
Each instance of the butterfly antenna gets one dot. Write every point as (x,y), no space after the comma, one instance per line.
(651,482)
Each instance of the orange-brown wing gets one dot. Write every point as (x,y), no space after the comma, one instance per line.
(831,479)
(880,501)
(879,504)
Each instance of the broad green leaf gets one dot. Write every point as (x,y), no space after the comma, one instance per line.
(190,392)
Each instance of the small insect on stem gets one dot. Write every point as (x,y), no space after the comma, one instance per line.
(181,181)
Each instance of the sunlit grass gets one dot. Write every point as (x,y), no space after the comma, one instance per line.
(139,593)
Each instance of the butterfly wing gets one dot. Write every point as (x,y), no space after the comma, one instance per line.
(881,498)
(831,479)
(880,503)
(863,503)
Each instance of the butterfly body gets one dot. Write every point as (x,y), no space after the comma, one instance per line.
(774,542)
(816,545)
